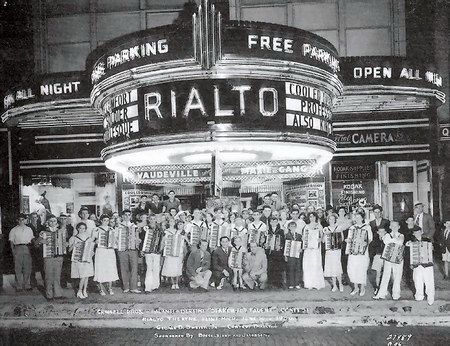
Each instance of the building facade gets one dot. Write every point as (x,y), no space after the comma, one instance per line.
(382,146)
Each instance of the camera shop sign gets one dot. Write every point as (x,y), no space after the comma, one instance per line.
(241,104)
(382,137)
(46,88)
(352,171)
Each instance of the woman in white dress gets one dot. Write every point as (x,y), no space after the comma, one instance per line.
(358,261)
(173,265)
(333,264)
(81,270)
(312,257)
(105,258)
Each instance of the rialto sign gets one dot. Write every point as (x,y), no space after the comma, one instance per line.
(189,106)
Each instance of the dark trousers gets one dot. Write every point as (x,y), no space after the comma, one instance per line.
(218,276)
(294,273)
(276,267)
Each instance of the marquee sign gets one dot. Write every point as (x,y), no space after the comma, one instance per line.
(231,171)
(44,88)
(278,42)
(392,71)
(146,47)
(241,104)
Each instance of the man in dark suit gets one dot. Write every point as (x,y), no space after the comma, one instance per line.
(378,223)
(220,269)
(197,266)
(424,221)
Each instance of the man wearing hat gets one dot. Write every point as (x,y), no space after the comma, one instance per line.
(424,221)
(20,238)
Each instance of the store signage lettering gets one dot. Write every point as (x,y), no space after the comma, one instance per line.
(285,169)
(45,88)
(352,171)
(445,132)
(308,107)
(352,193)
(196,101)
(286,45)
(383,72)
(60,88)
(121,115)
(381,137)
(172,174)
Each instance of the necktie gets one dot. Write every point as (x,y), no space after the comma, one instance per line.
(417,220)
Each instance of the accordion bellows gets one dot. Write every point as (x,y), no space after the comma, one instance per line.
(292,248)
(359,241)
(83,251)
(421,252)
(152,240)
(393,253)
(127,238)
(107,239)
(333,241)
(54,243)
(173,245)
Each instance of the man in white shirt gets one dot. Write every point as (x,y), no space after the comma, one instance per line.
(20,238)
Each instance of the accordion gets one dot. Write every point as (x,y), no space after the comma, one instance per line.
(273,241)
(217,232)
(310,239)
(292,248)
(152,240)
(359,240)
(393,253)
(127,238)
(420,252)
(253,235)
(173,245)
(54,243)
(333,241)
(236,259)
(195,235)
(83,251)
(107,238)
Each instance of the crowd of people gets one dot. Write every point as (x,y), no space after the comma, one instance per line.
(273,246)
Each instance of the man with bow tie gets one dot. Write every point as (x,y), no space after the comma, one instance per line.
(220,269)
(197,266)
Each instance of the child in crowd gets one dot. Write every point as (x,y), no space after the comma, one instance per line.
(81,269)
(423,272)
(236,261)
(333,265)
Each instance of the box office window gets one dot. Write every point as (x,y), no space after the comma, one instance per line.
(401,175)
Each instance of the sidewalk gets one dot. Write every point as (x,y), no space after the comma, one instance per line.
(183,309)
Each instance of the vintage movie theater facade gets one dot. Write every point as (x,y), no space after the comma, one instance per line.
(232,108)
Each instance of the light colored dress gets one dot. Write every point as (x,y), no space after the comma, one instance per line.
(80,269)
(312,260)
(173,266)
(333,264)
(105,264)
(358,264)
